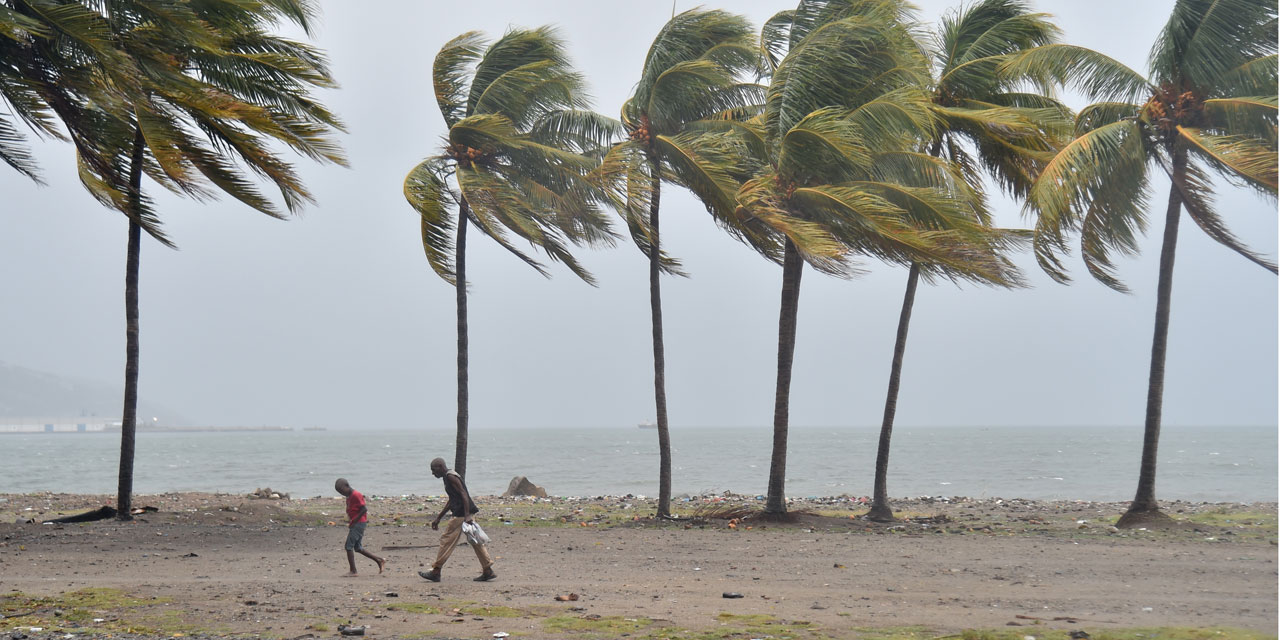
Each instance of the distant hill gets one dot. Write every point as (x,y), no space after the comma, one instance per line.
(29,393)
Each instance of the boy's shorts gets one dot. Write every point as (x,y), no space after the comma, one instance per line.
(355,535)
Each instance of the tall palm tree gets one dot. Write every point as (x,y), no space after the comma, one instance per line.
(690,74)
(160,72)
(1210,108)
(518,132)
(986,120)
(837,169)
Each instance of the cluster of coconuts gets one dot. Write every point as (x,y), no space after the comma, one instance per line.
(641,132)
(463,153)
(1169,108)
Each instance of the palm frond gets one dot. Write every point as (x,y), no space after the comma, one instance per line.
(1240,156)
(842,63)
(823,147)
(1100,114)
(775,35)
(761,203)
(1197,196)
(1104,172)
(627,178)
(15,153)
(495,208)
(707,166)
(693,35)
(1254,77)
(990,28)
(528,92)
(450,71)
(1097,76)
(1253,116)
(21,28)
(1204,40)
(140,210)
(515,49)
(426,188)
(578,130)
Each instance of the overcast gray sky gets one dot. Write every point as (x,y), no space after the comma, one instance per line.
(335,319)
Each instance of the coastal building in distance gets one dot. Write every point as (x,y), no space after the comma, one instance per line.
(95,424)
(52,424)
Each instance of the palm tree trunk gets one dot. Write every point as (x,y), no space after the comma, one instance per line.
(1144,506)
(659,357)
(460,269)
(880,509)
(129,421)
(792,269)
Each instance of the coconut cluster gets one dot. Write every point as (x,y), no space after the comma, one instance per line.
(465,155)
(1169,108)
(641,132)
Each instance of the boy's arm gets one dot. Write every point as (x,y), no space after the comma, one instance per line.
(364,510)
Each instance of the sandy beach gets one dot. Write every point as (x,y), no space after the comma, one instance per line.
(217,564)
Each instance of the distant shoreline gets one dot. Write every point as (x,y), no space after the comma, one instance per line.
(158,429)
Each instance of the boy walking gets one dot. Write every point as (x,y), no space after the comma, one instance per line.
(357,520)
(463,510)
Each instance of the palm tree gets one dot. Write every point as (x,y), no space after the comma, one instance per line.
(173,69)
(837,170)
(517,134)
(1210,108)
(690,74)
(986,120)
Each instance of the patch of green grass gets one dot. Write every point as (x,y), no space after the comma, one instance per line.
(122,612)
(490,611)
(899,633)
(415,607)
(1221,517)
(1161,633)
(759,625)
(171,622)
(472,608)
(606,627)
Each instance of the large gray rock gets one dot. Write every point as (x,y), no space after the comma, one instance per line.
(520,486)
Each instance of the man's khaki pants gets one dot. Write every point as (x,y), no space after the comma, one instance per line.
(449,540)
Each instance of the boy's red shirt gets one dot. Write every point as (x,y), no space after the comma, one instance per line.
(354,502)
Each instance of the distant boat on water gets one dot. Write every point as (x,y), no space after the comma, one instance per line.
(648,425)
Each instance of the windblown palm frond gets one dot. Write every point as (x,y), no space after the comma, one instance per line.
(428,192)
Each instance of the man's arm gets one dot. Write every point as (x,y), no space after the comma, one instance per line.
(436,523)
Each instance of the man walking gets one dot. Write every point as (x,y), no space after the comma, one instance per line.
(463,510)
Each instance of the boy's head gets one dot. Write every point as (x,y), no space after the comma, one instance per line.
(438,468)
(342,486)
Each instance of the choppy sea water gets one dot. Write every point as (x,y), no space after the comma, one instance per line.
(1081,463)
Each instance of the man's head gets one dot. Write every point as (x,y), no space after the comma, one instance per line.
(438,467)
(342,486)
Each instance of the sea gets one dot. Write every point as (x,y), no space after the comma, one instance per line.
(1200,464)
